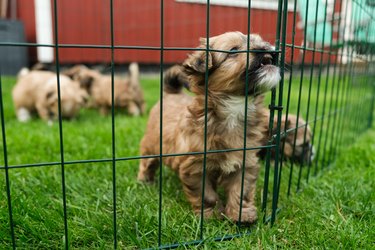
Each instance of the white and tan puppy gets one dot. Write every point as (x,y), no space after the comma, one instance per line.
(184,124)
(36,92)
(128,94)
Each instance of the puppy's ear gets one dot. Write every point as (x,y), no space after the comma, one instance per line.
(85,81)
(288,123)
(196,62)
(51,97)
(82,97)
(74,71)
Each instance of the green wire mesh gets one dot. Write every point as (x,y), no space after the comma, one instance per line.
(328,81)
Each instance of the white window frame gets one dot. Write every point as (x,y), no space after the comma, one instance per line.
(255,4)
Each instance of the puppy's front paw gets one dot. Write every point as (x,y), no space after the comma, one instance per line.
(248,215)
(23,115)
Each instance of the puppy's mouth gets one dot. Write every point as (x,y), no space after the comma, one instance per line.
(262,75)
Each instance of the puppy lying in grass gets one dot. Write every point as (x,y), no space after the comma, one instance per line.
(36,91)
(128,94)
(184,124)
(295,144)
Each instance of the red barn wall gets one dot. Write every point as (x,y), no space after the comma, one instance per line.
(137,23)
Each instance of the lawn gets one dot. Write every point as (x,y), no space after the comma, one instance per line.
(334,211)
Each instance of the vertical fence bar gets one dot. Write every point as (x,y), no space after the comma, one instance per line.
(358,110)
(310,84)
(349,124)
(205,119)
(371,82)
(361,71)
(246,105)
(360,124)
(339,88)
(300,91)
(56,45)
(272,112)
(318,91)
(160,212)
(5,152)
(372,88)
(341,80)
(271,121)
(332,92)
(347,76)
(324,105)
(289,93)
(277,175)
(113,128)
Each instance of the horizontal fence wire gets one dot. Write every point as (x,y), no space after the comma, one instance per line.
(328,83)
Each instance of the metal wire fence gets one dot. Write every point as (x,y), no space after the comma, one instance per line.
(328,81)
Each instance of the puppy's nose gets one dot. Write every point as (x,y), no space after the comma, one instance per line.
(267,59)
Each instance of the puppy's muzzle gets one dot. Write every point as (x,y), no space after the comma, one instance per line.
(306,155)
(267,59)
(266,75)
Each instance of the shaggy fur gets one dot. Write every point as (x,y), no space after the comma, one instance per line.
(184,124)
(36,91)
(303,151)
(128,94)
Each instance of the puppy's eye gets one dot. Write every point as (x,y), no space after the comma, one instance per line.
(233,51)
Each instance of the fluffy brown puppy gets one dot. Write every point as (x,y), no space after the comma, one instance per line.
(303,151)
(36,91)
(128,94)
(184,119)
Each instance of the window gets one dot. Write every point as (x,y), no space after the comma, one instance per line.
(255,4)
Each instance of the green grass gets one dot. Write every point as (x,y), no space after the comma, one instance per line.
(335,211)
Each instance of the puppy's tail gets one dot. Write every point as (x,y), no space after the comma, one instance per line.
(175,79)
(23,72)
(134,73)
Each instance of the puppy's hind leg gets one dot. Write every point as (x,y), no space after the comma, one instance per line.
(23,115)
(191,179)
(147,169)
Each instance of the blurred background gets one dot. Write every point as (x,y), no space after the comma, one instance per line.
(86,24)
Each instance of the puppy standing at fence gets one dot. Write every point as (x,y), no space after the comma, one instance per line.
(36,91)
(184,122)
(295,143)
(128,94)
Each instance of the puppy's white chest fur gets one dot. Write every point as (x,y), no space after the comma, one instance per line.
(230,166)
(233,110)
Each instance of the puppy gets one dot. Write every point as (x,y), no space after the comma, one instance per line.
(184,124)
(303,151)
(128,94)
(36,91)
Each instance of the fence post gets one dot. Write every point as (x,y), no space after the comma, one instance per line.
(372,78)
